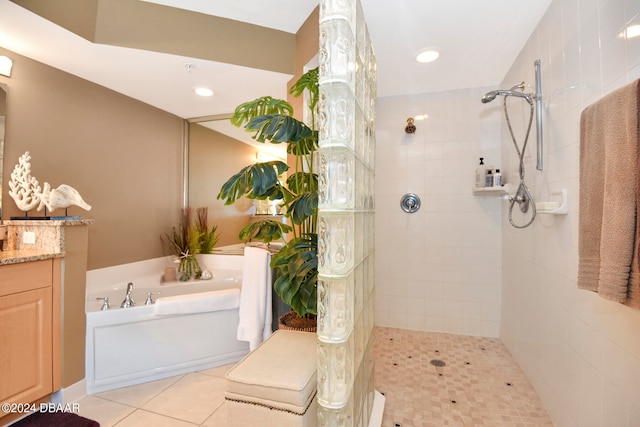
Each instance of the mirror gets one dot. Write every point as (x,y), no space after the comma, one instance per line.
(216,151)
(3,114)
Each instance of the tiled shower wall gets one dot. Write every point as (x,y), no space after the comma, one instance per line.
(438,269)
(580,352)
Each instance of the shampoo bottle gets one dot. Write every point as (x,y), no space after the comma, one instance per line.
(497,178)
(489,178)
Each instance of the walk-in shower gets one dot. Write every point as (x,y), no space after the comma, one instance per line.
(523,196)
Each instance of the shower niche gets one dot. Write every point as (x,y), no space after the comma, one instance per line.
(491,191)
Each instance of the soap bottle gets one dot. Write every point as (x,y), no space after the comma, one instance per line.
(481,173)
(489,179)
(497,178)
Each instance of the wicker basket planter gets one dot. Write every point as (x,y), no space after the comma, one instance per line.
(292,322)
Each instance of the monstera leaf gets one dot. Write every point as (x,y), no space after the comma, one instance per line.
(303,206)
(265,231)
(257,181)
(297,266)
(304,146)
(278,128)
(259,107)
(308,81)
(301,182)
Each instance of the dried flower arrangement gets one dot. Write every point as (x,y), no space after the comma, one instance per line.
(189,240)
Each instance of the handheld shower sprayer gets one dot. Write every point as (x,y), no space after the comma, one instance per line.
(523,197)
(490,96)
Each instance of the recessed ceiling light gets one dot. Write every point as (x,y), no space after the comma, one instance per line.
(427,55)
(421,116)
(203,91)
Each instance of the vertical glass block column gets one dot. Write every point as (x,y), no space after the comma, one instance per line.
(346,287)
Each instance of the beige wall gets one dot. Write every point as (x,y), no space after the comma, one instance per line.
(123,156)
(2,101)
(143,25)
(73,297)
(214,158)
(307,40)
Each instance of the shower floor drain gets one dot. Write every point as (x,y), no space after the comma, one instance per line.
(437,362)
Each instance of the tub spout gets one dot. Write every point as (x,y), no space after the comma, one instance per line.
(128,299)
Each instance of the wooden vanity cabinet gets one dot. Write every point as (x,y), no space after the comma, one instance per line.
(30,363)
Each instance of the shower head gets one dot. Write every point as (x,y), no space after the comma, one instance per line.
(490,96)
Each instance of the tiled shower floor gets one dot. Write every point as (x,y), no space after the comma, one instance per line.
(479,385)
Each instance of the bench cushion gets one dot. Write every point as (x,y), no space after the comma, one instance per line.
(281,370)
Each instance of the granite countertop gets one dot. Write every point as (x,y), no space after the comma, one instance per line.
(26,255)
(49,223)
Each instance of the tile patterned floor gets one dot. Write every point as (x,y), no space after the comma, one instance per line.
(195,399)
(479,385)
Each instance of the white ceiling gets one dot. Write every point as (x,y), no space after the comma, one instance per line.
(478,40)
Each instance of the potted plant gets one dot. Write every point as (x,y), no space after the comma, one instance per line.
(188,240)
(296,264)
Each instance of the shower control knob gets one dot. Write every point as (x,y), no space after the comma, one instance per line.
(410,203)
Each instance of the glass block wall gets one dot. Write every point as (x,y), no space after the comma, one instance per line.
(347,78)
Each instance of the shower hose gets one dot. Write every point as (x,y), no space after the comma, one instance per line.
(523,197)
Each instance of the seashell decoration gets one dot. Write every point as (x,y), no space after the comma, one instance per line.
(63,197)
(26,192)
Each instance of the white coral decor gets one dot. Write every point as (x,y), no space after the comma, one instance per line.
(26,192)
(23,188)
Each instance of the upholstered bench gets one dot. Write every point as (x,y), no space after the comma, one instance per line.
(275,384)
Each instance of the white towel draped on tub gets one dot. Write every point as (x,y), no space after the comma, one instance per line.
(255,297)
(202,302)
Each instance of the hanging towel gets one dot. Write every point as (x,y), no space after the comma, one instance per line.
(255,297)
(633,294)
(608,187)
(202,302)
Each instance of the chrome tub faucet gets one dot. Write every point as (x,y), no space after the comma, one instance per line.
(128,299)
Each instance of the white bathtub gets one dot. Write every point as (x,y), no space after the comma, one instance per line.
(127,346)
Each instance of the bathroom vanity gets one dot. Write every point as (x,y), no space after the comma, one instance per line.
(30,336)
(42,269)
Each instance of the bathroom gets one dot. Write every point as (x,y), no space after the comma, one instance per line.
(487,278)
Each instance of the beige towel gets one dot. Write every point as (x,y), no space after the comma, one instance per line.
(633,295)
(608,181)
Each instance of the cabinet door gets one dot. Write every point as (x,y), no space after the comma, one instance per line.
(25,346)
